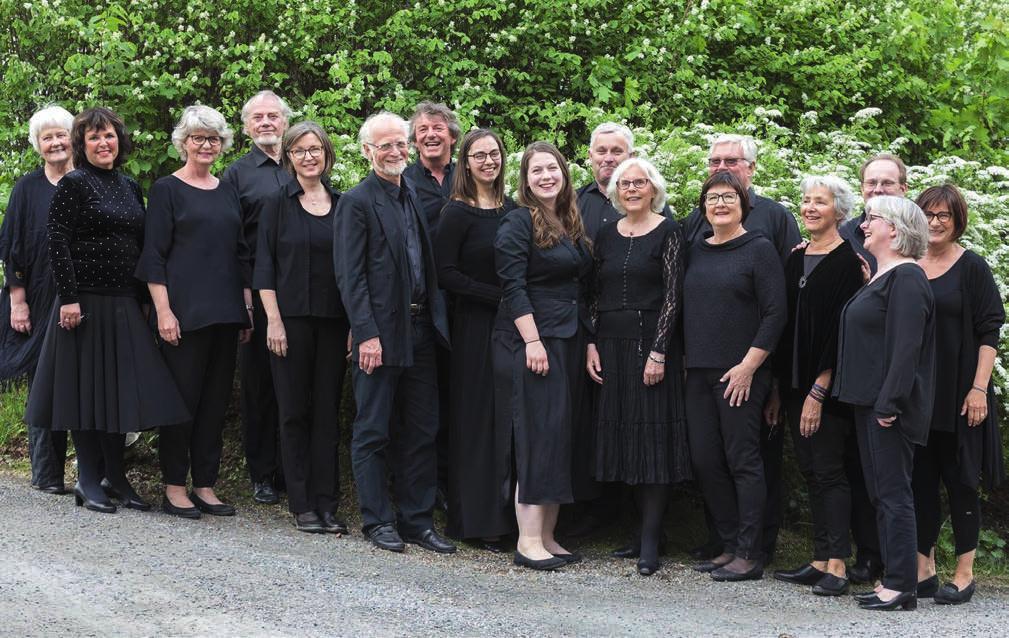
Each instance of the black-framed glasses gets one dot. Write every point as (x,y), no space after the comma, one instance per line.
(728,162)
(388,146)
(639,183)
(481,157)
(312,151)
(944,217)
(728,198)
(200,140)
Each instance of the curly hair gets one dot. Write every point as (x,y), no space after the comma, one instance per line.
(95,119)
(546,231)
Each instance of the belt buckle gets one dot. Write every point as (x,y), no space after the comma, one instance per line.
(417,309)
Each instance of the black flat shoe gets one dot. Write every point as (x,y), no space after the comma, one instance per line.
(265,494)
(928,587)
(218,509)
(708,566)
(707,551)
(727,576)
(309,522)
(431,541)
(181,512)
(633,549)
(544,565)
(865,571)
(386,537)
(333,525)
(126,497)
(57,490)
(831,585)
(571,558)
(95,506)
(805,575)
(948,594)
(905,600)
(647,569)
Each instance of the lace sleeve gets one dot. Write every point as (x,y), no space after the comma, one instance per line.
(672,281)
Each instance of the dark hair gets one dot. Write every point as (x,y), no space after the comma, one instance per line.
(727,178)
(885,157)
(950,196)
(545,230)
(95,119)
(432,109)
(463,184)
(300,130)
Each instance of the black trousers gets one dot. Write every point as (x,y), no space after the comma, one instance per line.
(309,385)
(47,450)
(260,418)
(772,453)
(395,430)
(725,450)
(935,461)
(203,366)
(887,460)
(863,515)
(821,460)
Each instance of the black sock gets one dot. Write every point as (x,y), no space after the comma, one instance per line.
(652,503)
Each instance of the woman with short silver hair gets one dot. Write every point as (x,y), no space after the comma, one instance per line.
(886,372)
(196,265)
(28,292)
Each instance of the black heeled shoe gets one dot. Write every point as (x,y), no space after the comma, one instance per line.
(81,499)
(126,497)
(928,587)
(646,568)
(861,596)
(905,600)
(950,595)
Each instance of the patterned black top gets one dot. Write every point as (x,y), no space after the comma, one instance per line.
(96,230)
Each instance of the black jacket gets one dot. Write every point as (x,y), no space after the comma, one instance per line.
(373,271)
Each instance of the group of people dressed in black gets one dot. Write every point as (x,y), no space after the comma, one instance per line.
(517,356)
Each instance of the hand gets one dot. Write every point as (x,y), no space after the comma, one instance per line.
(654,372)
(772,409)
(536,358)
(739,378)
(168,327)
(70,316)
(975,406)
(245,335)
(809,420)
(866,269)
(20,317)
(276,337)
(887,422)
(370,355)
(592,363)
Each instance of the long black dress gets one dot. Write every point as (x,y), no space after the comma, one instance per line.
(641,431)
(480,480)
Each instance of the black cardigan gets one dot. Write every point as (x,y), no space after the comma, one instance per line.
(808,344)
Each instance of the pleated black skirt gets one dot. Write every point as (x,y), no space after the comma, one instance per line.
(105,375)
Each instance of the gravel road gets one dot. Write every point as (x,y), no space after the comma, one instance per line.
(67,571)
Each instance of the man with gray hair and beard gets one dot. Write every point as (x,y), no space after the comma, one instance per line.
(257,174)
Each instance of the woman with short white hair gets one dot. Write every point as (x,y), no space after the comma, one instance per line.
(196,265)
(886,372)
(28,292)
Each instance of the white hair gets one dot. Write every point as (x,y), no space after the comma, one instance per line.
(612,127)
(658,184)
(285,110)
(52,116)
(199,117)
(907,219)
(746,144)
(364,135)
(844,198)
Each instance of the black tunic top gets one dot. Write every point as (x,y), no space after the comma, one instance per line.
(295,255)
(767,217)
(544,282)
(96,230)
(733,300)
(948,307)
(255,175)
(597,211)
(431,196)
(194,246)
(464,250)
(886,350)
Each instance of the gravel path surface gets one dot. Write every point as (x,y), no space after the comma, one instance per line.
(67,571)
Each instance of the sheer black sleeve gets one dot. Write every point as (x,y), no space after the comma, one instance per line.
(672,282)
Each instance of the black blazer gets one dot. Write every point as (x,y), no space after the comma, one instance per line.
(547,282)
(373,271)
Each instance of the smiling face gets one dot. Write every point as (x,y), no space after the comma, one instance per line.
(433,139)
(882,177)
(388,150)
(606,154)
(266,123)
(879,234)
(722,155)
(818,212)
(544,177)
(203,146)
(483,160)
(101,147)
(308,157)
(722,215)
(635,199)
(940,232)
(54,145)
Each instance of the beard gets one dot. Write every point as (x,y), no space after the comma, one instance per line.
(391,169)
(267,139)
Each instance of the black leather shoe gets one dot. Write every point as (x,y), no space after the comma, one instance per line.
(707,551)
(333,525)
(309,522)
(928,587)
(386,537)
(831,585)
(57,490)
(127,497)
(948,594)
(218,509)
(182,512)
(863,595)
(571,558)
(647,569)
(905,600)
(865,571)
(707,566)
(724,575)
(805,575)
(94,506)
(431,541)
(265,494)
(544,565)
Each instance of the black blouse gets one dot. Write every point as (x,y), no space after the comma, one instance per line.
(255,175)
(544,282)
(464,249)
(295,255)
(24,244)
(640,273)
(886,350)
(96,230)
(194,246)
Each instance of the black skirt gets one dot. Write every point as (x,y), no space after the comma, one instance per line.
(106,375)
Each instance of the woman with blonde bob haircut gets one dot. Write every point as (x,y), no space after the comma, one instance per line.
(655,180)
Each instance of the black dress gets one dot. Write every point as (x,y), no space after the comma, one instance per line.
(480,478)
(641,435)
(106,374)
(547,283)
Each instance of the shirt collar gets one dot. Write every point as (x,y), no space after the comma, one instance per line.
(260,157)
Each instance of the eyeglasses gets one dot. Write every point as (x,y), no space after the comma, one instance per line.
(871,217)
(638,183)
(312,151)
(200,140)
(944,217)
(388,146)
(482,157)
(729,162)
(885,184)
(729,198)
